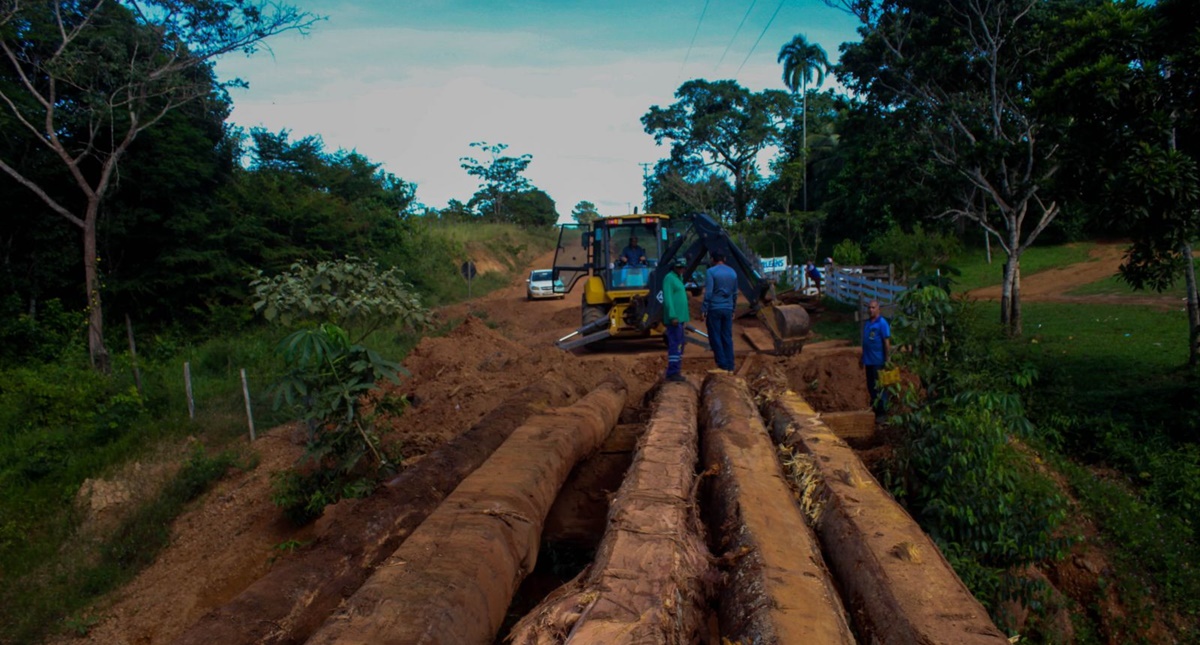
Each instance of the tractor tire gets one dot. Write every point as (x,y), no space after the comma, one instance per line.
(592,313)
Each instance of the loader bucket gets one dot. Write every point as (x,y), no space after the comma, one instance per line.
(789,327)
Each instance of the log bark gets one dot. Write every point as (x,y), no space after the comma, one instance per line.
(647,584)
(453,579)
(898,587)
(296,597)
(853,425)
(778,589)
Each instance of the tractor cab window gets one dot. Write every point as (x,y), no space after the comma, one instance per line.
(633,252)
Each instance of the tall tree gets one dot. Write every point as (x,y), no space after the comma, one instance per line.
(885,176)
(585,213)
(500,176)
(970,68)
(801,62)
(84,79)
(805,170)
(720,124)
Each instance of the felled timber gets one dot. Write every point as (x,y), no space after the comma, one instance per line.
(853,425)
(899,588)
(647,583)
(295,598)
(453,579)
(777,589)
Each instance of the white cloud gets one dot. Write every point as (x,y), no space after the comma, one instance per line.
(414,97)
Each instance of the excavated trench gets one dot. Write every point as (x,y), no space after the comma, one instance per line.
(723,509)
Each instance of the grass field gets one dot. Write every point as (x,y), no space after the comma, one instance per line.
(976,272)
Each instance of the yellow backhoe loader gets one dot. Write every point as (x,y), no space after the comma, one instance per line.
(622,293)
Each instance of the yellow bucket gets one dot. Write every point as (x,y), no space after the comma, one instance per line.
(889,377)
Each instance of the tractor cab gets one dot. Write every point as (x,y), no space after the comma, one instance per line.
(618,252)
(616,258)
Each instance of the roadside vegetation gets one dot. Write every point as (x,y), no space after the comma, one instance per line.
(65,424)
(1077,436)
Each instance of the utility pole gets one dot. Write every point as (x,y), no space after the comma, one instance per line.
(645,184)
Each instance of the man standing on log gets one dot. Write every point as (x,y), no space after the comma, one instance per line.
(876,346)
(675,314)
(720,296)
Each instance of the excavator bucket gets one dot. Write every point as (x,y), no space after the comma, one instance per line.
(788,325)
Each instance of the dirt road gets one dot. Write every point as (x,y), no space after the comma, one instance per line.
(497,380)
(1054,285)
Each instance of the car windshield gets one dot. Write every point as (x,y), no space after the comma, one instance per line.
(540,276)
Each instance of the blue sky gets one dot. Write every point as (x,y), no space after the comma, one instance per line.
(411,83)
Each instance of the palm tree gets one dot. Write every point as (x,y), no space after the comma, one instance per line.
(801,61)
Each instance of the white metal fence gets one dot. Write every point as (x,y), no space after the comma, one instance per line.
(856,285)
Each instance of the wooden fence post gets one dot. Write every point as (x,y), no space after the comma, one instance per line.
(187,386)
(137,375)
(246,396)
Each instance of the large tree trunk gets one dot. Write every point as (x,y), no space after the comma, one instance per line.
(898,587)
(647,584)
(453,579)
(777,588)
(91,273)
(1193,305)
(1010,295)
(294,599)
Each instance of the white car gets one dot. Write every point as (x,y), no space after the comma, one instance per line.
(541,284)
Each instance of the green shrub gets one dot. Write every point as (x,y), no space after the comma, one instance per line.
(970,488)
(958,467)
(849,253)
(916,252)
(327,381)
(46,337)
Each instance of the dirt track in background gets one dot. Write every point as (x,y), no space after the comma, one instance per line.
(1053,285)
(234,537)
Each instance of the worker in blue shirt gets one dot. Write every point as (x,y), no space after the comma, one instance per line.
(720,296)
(876,347)
(633,255)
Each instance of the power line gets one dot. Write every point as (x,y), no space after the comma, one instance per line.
(760,37)
(735,33)
(694,34)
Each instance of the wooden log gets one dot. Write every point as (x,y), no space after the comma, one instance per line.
(898,587)
(453,579)
(855,425)
(778,590)
(647,582)
(295,598)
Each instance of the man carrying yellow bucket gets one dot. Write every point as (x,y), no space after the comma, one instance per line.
(876,347)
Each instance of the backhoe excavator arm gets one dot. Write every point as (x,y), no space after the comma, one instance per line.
(787,324)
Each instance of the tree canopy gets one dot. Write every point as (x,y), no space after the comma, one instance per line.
(500,178)
(722,125)
(967,73)
(84,80)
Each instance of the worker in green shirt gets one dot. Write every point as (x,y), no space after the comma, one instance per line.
(675,315)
